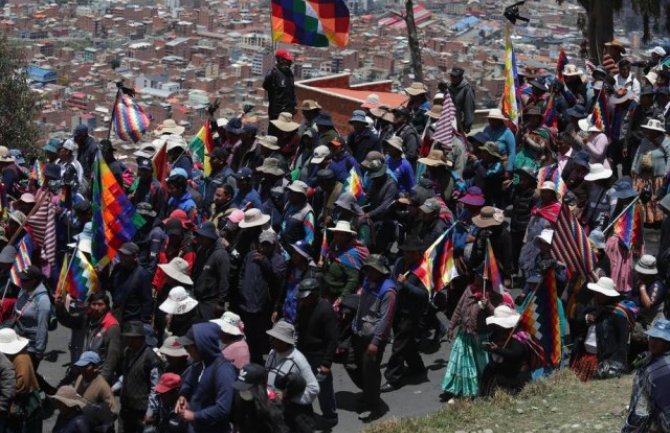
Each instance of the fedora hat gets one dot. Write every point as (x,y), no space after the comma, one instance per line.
(435,158)
(207,230)
(616,44)
(177,269)
(379,111)
(283,331)
(660,329)
(654,125)
(68,396)
(134,328)
(343,226)
(347,201)
(378,263)
(254,218)
(178,302)
(172,347)
(395,142)
(605,285)
(504,316)
(435,112)
(309,105)
(268,142)
(495,113)
(571,70)
(169,126)
(302,248)
(284,122)
(230,323)
(540,85)
(646,265)
(577,111)
(416,89)
(488,217)
(271,166)
(324,119)
(10,342)
(597,172)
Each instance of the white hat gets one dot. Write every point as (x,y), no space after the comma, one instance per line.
(571,70)
(651,76)
(598,171)
(343,226)
(605,285)
(495,113)
(504,316)
(416,89)
(178,302)
(320,154)
(647,265)
(169,126)
(659,51)
(546,236)
(285,122)
(10,342)
(230,323)
(548,185)
(268,142)
(175,142)
(438,96)
(654,125)
(177,269)
(70,145)
(172,347)
(253,218)
(587,125)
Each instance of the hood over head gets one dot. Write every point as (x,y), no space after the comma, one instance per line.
(207,337)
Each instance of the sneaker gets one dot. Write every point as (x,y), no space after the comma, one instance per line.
(388,387)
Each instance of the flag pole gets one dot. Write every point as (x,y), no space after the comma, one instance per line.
(621,214)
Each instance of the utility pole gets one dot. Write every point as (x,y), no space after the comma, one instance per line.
(413,40)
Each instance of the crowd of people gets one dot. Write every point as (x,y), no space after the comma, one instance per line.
(307,247)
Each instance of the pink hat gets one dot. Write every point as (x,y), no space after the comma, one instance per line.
(236,216)
(473,197)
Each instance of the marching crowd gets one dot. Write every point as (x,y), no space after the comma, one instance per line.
(311,246)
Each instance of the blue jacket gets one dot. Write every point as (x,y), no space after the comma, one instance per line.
(403,172)
(342,166)
(240,201)
(208,387)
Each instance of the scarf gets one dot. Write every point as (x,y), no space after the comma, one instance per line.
(549,212)
(354,257)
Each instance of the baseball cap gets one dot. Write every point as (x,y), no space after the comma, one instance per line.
(167,382)
(88,358)
(129,249)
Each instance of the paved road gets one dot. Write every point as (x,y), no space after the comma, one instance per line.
(412,400)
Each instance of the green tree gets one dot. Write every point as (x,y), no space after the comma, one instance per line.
(20,105)
(600,19)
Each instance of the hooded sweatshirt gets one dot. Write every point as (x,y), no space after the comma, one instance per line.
(208,386)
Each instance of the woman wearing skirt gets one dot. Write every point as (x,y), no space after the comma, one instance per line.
(468,357)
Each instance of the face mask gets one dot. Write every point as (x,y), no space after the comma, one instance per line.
(246,395)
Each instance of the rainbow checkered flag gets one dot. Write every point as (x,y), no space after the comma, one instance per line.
(354,185)
(315,23)
(130,121)
(560,64)
(492,270)
(22,259)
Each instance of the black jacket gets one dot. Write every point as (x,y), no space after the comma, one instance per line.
(501,242)
(412,294)
(281,92)
(381,200)
(361,144)
(317,333)
(522,203)
(612,333)
(211,270)
(131,293)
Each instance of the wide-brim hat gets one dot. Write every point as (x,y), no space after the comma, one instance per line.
(577,112)
(416,89)
(491,148)
(395,142)
(435,158)
(271,166)
(269,142)
(597,239)
(473,197)
(254,218)
(504,316)
(496,114)
(347,201)
(178,302)
(381,171)
(310,104)
(435,111)
(654,125)
(303,249)
(623,189)
(282,331)
(133,329)
(377,262)
(605,285)
(488,217)
(172,347)
(597,172)
(284,122)
(230,323)
(68,396)
(539,85)
(621,96)
(571,70)
(617,44)
(343,227)
(173,271)
(646,265)
(169,126)
(10,342)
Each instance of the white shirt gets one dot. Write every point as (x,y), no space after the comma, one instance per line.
(631,83)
